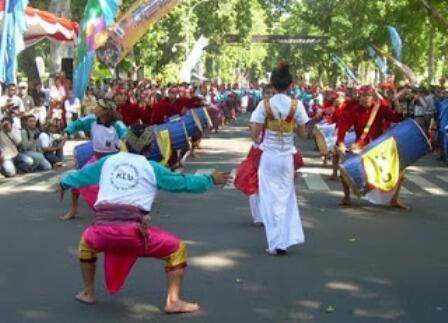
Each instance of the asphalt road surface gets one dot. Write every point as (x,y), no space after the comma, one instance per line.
(360,264)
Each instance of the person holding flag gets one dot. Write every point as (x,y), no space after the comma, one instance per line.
(368,115)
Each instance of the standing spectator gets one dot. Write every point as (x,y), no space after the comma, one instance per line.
(30,145)
(52,144)
(39,111)
(10,157)
(28,102)
(72,107)
(420,106)
(89,102)
(11,106)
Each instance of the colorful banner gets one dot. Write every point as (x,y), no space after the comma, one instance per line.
(382,165)
(193,59)
(98,15)
(131,27)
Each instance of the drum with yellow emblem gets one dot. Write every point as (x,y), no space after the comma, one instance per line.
(380,163)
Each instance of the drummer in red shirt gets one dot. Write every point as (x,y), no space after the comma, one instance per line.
(130,113)
(356,114)
(332,114)
(146,103)
(163,109)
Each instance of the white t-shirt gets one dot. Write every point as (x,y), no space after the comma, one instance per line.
(72,107)
(45,140)
(280,106)
(127,179)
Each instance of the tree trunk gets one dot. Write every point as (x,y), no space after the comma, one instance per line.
(59,50)
(431,53)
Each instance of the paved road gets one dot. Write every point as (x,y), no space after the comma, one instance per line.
(361,264)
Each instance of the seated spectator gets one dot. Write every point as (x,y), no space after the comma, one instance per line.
(30,145)
(52,144)
(10,158)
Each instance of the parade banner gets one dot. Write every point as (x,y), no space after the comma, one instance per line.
(11,42)
(131,27)
(193,59)
(98,15)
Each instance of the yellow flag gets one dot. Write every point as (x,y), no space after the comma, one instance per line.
(382,165)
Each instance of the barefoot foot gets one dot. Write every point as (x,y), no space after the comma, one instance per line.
(345,202)
(180,306)
(85,298)
(398,205)
(70,215)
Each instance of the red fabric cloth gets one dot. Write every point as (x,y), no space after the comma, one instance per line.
(130,113)
(356,115)
(246,179)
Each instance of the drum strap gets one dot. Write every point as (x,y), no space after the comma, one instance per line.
(369,123)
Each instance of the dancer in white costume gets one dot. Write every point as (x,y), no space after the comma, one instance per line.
(281,117)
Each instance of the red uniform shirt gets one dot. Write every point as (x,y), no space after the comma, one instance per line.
(180,105)
(130,113)
(356,115)
(146,115)
(161,110)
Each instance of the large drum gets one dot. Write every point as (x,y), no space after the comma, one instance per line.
(82,154)
(178,134)
(325,135)
(203,116)
(192,123)
(380,163)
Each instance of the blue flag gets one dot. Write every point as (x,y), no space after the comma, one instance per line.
(347,70)
(397,44)
(11,43)
(378,60)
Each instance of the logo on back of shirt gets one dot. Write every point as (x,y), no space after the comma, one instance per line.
(124,177)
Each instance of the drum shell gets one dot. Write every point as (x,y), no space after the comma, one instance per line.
(204,117)
(178,134)
(192,123)
(82,153)
(325,135)
(412,144)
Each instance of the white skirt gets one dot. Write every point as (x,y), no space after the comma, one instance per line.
(278,202)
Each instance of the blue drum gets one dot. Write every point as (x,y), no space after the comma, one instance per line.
(192,123)
(325,135)
(82,154)
(178,134)
(204,117)
(410,144)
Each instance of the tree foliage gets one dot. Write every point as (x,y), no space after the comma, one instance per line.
(349,25)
